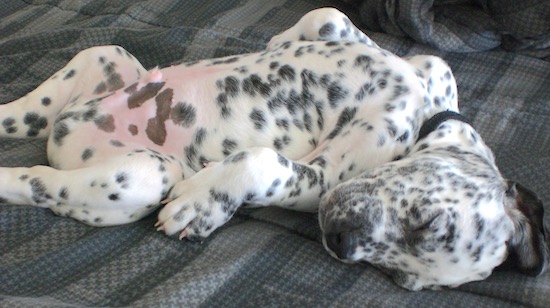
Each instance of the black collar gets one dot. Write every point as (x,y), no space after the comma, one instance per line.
(433,123)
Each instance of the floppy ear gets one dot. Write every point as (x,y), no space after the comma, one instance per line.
(529,246)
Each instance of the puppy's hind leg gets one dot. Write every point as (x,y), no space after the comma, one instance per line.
(92,73)
(324,24)
(120,190)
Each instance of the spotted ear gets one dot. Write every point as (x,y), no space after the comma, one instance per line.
(529,247)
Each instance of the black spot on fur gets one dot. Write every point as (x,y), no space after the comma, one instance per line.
(116,143)
(237,157)
(254,85)
(327,29)
(241,69)
(60,131)
(64,193)
(228,204)
(89,115)
(114,197)
(290,182)
(200,136)
(100,88)
(344,33)
(280,143)
(404,137)
(282,123)
(9,125)
(335,94)
(320,161)
(69,74)
(381,140)
(46,101)
(114,82)
(271,191)
(399,90)
(363,61)
(228,146)
(423,147)
(345,117)
(183,114)
(121,177)
(258,118)
(249,197)
(109,68)
(231,86)
(87,154)
(286,45)
(38,189)
(283,160)
(223,104)
(448,91)
(35,123)
(391,127)
(190,154)
(225,61)
(428,65)
(304,172)
(286,72)
(309,78)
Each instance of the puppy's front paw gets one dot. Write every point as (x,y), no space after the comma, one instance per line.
(195,211)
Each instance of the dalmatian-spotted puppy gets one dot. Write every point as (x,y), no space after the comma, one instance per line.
(320,106)
(441,216)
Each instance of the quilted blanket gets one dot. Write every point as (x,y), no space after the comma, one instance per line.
(499,53)
(465,25)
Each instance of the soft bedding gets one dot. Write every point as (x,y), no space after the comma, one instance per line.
(498,50)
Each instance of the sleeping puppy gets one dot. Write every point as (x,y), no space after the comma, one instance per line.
(276,128)
(442,216)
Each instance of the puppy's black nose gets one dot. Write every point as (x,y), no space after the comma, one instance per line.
(342,244)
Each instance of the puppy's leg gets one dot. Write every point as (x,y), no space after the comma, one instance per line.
(260,176)
(324,24)
(120,190)
(91,73)
(257,177)
(439,82)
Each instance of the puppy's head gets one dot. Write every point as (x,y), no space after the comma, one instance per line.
(442,216)
(529,246)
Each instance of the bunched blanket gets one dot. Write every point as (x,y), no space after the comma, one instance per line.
(465,25)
